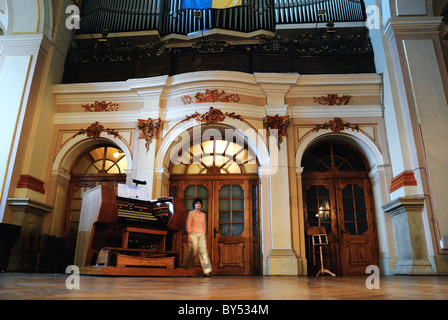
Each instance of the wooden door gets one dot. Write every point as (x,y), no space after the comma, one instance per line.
(231,207)
(232,228)
(320,210)
(188,191)
(356,224)
(344,207)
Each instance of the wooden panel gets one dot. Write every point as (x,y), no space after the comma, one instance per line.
(358,246)
(231,254)
(126,260)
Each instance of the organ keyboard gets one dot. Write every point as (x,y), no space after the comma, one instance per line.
(128,229)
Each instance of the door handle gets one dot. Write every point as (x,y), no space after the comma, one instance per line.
(215,231)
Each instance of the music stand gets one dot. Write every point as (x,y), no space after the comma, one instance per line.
(319,238)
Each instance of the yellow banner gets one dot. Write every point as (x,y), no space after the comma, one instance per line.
(222,4)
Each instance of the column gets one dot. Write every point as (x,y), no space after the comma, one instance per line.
(282,258)
(150,91)
(416,109)
(18,59)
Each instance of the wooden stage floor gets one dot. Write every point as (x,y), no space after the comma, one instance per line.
(34,286)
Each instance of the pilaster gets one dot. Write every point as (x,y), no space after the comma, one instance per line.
(421,109)
(18,62)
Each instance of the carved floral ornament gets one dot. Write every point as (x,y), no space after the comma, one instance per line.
(149,130)
(333,99)
(100,106)
(95,129)
(211,96)
(336,125)
(212,116)
(279,123)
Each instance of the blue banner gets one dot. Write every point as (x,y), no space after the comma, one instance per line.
(209,4)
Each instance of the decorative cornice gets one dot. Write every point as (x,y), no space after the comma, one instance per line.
(39,207)
(149,130)
(406,178)
(404,205)
(95,130)
(335,125)
(412,26)
(32,183)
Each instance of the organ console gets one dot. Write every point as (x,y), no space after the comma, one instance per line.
(128,236)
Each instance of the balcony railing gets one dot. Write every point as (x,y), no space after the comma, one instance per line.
(167,16)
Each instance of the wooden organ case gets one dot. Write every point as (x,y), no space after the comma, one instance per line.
(125,236)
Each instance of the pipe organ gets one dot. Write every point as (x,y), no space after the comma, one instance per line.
(167,17)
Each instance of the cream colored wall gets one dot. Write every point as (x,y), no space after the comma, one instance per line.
(24,27)
(54,112)
(260,94)
(36,134)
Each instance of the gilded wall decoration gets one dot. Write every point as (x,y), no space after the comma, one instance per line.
(333,99)
(100,106)
(211,96)
(212,116)
(336,125)
(279,123)
(95,130)
(149,130)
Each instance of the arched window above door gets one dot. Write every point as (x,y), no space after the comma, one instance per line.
(215,157)
(103,160)
(332,157)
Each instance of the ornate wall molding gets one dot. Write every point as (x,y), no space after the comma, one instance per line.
(100,106)
(95,130)
(212,116)
(211,96)
(149,130)
(406,178)
(279,123)
(333,99)
(336,125)
(32,183)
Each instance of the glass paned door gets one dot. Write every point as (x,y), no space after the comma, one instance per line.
(231,210)
(320,211)
(343,207)
(357,228)
(232,239)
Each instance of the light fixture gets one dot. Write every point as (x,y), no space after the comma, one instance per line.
(118,153)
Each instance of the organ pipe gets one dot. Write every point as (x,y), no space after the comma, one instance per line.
(168,17)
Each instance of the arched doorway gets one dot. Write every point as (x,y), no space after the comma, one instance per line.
(338,196)
(99,165)
(224,174)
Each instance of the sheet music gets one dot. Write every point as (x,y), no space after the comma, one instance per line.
(133,192)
